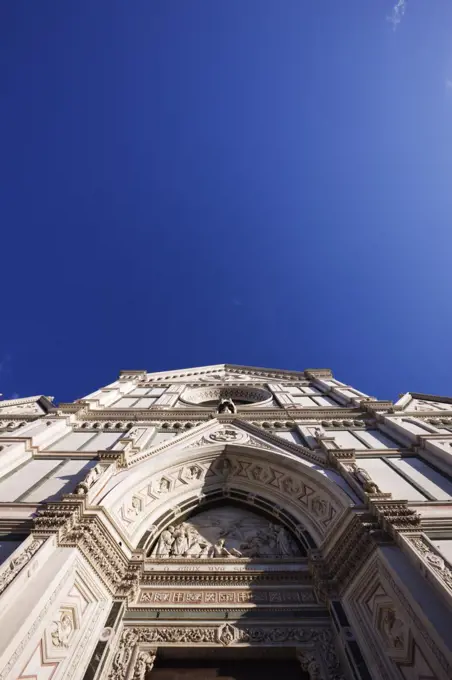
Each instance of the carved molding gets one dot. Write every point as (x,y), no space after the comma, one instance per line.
(395,516)
(433,559)
(315,645)
(348,554)
(225,635)
(73,527)
(310,496)
(10,569)
(144,663)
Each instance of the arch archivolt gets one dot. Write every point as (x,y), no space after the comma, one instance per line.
(145,495)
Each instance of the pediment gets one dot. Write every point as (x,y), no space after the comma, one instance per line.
(416,402)
(227,373)
(38,405)
(239,434)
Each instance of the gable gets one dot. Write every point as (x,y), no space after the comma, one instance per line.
(38,405)
(417,402)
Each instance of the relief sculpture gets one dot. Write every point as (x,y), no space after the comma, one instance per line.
(227,532)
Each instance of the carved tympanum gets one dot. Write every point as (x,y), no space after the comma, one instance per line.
(226,532)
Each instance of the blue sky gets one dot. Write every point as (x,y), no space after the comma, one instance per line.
(262,182)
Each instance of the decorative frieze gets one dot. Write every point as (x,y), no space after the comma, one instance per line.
(226,634)
(222,597)
(314,646)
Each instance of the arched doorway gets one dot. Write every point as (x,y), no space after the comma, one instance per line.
(225,531)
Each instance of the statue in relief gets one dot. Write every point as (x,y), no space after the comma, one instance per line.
(90,479)
(365,480)
(226,406)
(165,543)
(226,532)
(180,545)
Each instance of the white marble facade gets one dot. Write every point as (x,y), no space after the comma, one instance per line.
(141,516)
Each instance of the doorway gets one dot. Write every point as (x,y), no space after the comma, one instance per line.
(230,664)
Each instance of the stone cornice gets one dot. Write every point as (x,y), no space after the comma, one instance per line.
(382,522)
(76,525)
(28,400)
(380,406)
(333,572)
(251,577)
(171,414)
(430,397)
(395,516)
(319,373)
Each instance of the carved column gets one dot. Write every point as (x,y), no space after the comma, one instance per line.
(144,664)
(123,655)
(309,664)
(321,661)
(130,662)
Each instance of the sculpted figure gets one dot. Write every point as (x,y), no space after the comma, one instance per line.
(62,632)
(365,480)
(283,542)
(165,543)
(220,550)
(193,472)
(180,545)
(226,406)
(206,549)
(194,543)
(90,479)
(143,665)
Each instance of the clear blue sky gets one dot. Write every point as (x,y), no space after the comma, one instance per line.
(263,182)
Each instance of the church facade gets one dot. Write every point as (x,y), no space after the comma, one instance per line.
(226,522)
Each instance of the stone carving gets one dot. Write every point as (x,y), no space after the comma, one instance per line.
(235,466)
(392,628)
(180,543)
(193,472)
(164,485)
(63,630)
(203,396)
(225,597)
(227,436)
(90,479)
(258,472)
(122,657)
(309,664)
(144,664)
(226,406)
(11,569)
(220,550)
(99,549)
(420,625)
(227,634)
(135,506)
(289,485)
(165,543)
(442,569)
(364,479)
(226,532)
